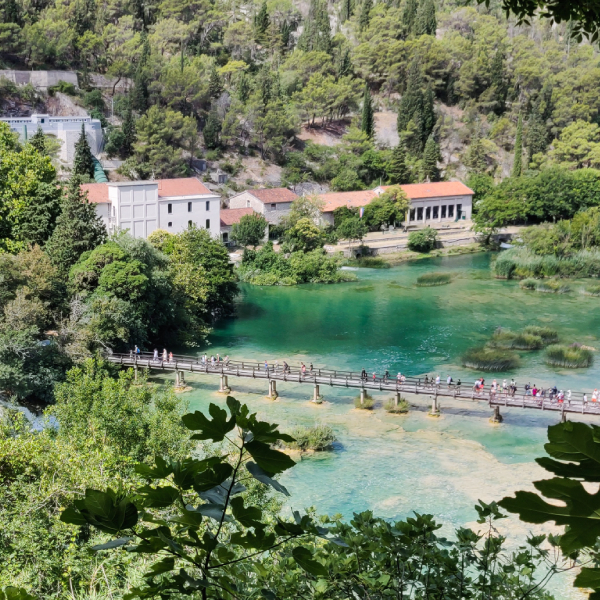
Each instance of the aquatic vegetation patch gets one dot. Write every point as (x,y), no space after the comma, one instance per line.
(402,407)
(547,334)
(367,262)
(367,403)
(591,290)
(318,438)
(504,338)
(431,279)
(484,358)
(528,284)
(552,286)
(574,356)
(364,288)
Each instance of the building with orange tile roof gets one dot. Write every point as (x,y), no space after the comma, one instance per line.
(272,203)
(229,217)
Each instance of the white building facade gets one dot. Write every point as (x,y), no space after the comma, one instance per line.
(65,129)
(141,207)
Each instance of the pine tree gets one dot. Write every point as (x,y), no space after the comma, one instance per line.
(431,157)
(212,130)
(409,16)
(128,129)
(286,34)
(38,141)
(345,64)
(397,169)
(140,93)
(262,22)
(243,88)
(365,15)
(83,163)
(367,123)
(425,20)
(536,139)
(518,160)
(78,228)
(317,29)
(428,113)
(215,85)
(265,85)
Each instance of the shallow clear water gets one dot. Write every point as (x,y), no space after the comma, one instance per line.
(397,464)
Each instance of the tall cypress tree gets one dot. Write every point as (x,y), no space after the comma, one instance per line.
(476,159)
(38,141)
(286,34)
(428,113)
(83,163)
(498,81)
(317,29)
(215,85)
(412,99)
(347,10)
(212,130)
(518,160)
(365,14)
(536,139)
(78,228)
(431,157)
(262,22)
(367,123)
(140,93)
(409,16)
(128,134)
(397,170)
(345,63)
(425,20)
(243,88)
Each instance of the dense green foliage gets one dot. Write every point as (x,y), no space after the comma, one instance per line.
(422,240)
(250,231)
(318,437)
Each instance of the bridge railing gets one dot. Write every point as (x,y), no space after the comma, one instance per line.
(421,384)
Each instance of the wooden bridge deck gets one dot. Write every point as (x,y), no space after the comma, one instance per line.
(350,379)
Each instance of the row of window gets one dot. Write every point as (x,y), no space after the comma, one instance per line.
(435,212)
(170,224)
(170,207)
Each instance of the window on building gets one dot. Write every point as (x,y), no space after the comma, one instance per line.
(420,213)
(189,207)
(114,211)
(208,205)
(207,223)
(428,213)
(436,212)
(443,211)
(225,237)
(412,214)
(451,210)
(458,211)
(169,208)
(273,206)
(169,224)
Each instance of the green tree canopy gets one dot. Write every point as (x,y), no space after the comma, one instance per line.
(250,231)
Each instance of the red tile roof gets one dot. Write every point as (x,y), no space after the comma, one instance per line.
(167,188)
(335,200)
(97,192)
(438,189)
(184,186)
(274,195)
(229,216)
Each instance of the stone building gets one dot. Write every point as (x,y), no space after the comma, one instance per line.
(272,203)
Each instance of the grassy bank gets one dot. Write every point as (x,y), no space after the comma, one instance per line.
(396,258)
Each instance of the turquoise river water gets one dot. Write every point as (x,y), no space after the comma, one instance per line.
(395,465)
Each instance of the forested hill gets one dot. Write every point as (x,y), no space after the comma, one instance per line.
(470,87)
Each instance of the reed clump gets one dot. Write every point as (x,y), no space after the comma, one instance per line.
(432,279)
(549,335)
(574,356)
(484,358)
(368,262)
(367,404)
(402,408)
(318,438)
(552,286)
(528,284)
(591,290)
(510,340)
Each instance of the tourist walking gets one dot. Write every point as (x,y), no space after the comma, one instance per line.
(155,357)
(266,367)
(226,360)
(399,377)
(136,350)
(374,376)
(165,355)
(449,381)
(386,376)
(212,360)
(437,381)
(310,367)
(505,387)
(286,368)
(170,357)
(363,374)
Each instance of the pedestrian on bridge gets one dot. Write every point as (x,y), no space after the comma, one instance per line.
(363,374)
(136,350)
(386,376)
(266,367)
(303,369)
(286,368)
(155,357)
(170,357)
(374,377)
(226,360)
(437,381)
(165,355)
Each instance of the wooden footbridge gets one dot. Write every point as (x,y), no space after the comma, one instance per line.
(274,372)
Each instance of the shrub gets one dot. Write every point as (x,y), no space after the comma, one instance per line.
(423,240)
(431,279)
(319,437)
(367,262)
(483,358)
(547,334)
(572,357)
(367,404)
(592,290)
(402,408)
(552,286)
(504,338)
(64,88)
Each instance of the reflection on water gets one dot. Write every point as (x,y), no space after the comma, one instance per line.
(397,464)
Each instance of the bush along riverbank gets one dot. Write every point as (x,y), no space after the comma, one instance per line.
(267,267)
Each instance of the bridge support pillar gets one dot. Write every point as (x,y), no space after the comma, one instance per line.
(563,414)
(397,399)
(135,373)
(362,396)
(224,385)
(316,396)
(496,417)
(435,410)
(179,379)
(272,389)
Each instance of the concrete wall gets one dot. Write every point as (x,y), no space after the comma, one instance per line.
(273,213)
(40,80)
(276,211)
